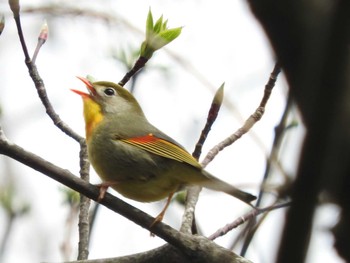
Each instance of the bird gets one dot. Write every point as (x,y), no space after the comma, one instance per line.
(134,157)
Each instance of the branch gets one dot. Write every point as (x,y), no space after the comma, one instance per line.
(139,64)
(34,74)
(40,87)
(249,123)
(188,218)
(196,248)
(246,217)
(279,132)
(60,11)
(193,192)
(212,115)
(84,223)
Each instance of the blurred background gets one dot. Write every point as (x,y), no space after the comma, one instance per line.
(220,42)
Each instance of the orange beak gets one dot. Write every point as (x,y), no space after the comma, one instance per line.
(89,86)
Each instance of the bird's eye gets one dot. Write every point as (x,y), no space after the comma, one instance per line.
(109,92)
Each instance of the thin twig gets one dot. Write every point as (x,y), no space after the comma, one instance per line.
(60,11)
(21,38)
(84,223)
(279,132)
(40,87)
(270,84)
(246,217)
(139,64)
(39,84)
(254,118)
(188,219)
(212,115)
(249,123)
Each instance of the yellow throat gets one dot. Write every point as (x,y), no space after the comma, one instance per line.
(92,115)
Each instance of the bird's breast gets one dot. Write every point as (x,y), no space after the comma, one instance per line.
(137,174)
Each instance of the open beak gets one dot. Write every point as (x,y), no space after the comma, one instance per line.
(89,86)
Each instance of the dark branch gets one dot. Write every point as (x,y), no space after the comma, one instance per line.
(197,248)
(139,64)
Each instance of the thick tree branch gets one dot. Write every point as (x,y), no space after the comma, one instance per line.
(169,254)
(196,248)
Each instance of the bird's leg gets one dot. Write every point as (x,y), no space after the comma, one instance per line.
(159,217)
(103,189)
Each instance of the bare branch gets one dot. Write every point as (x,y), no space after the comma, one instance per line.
(84,223)
(249,123)
(194,191)
(279,132)
(212,115)
(248,216)
(21,38)
(40,87)
(196,248)
(139,64)
(188,218)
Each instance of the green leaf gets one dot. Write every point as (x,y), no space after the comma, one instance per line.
(149,25)
(157,35)
(170,34)
(157,43)
(158,26)
(164,25)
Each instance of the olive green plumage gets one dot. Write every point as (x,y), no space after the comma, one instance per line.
(134,157)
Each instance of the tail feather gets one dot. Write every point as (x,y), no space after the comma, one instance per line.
(219,185)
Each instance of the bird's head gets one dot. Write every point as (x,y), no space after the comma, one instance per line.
(109,97)
(106,98)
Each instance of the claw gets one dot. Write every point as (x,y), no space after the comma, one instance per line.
(103,189)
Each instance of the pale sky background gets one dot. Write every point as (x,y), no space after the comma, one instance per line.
(221,41)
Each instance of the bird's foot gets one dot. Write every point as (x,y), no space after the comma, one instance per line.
(103,189)
(158,219)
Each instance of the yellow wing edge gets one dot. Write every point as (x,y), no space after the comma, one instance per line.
(162,148)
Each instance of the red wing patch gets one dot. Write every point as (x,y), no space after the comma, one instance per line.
(163,148)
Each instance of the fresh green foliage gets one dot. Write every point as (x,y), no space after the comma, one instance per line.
(157,35)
